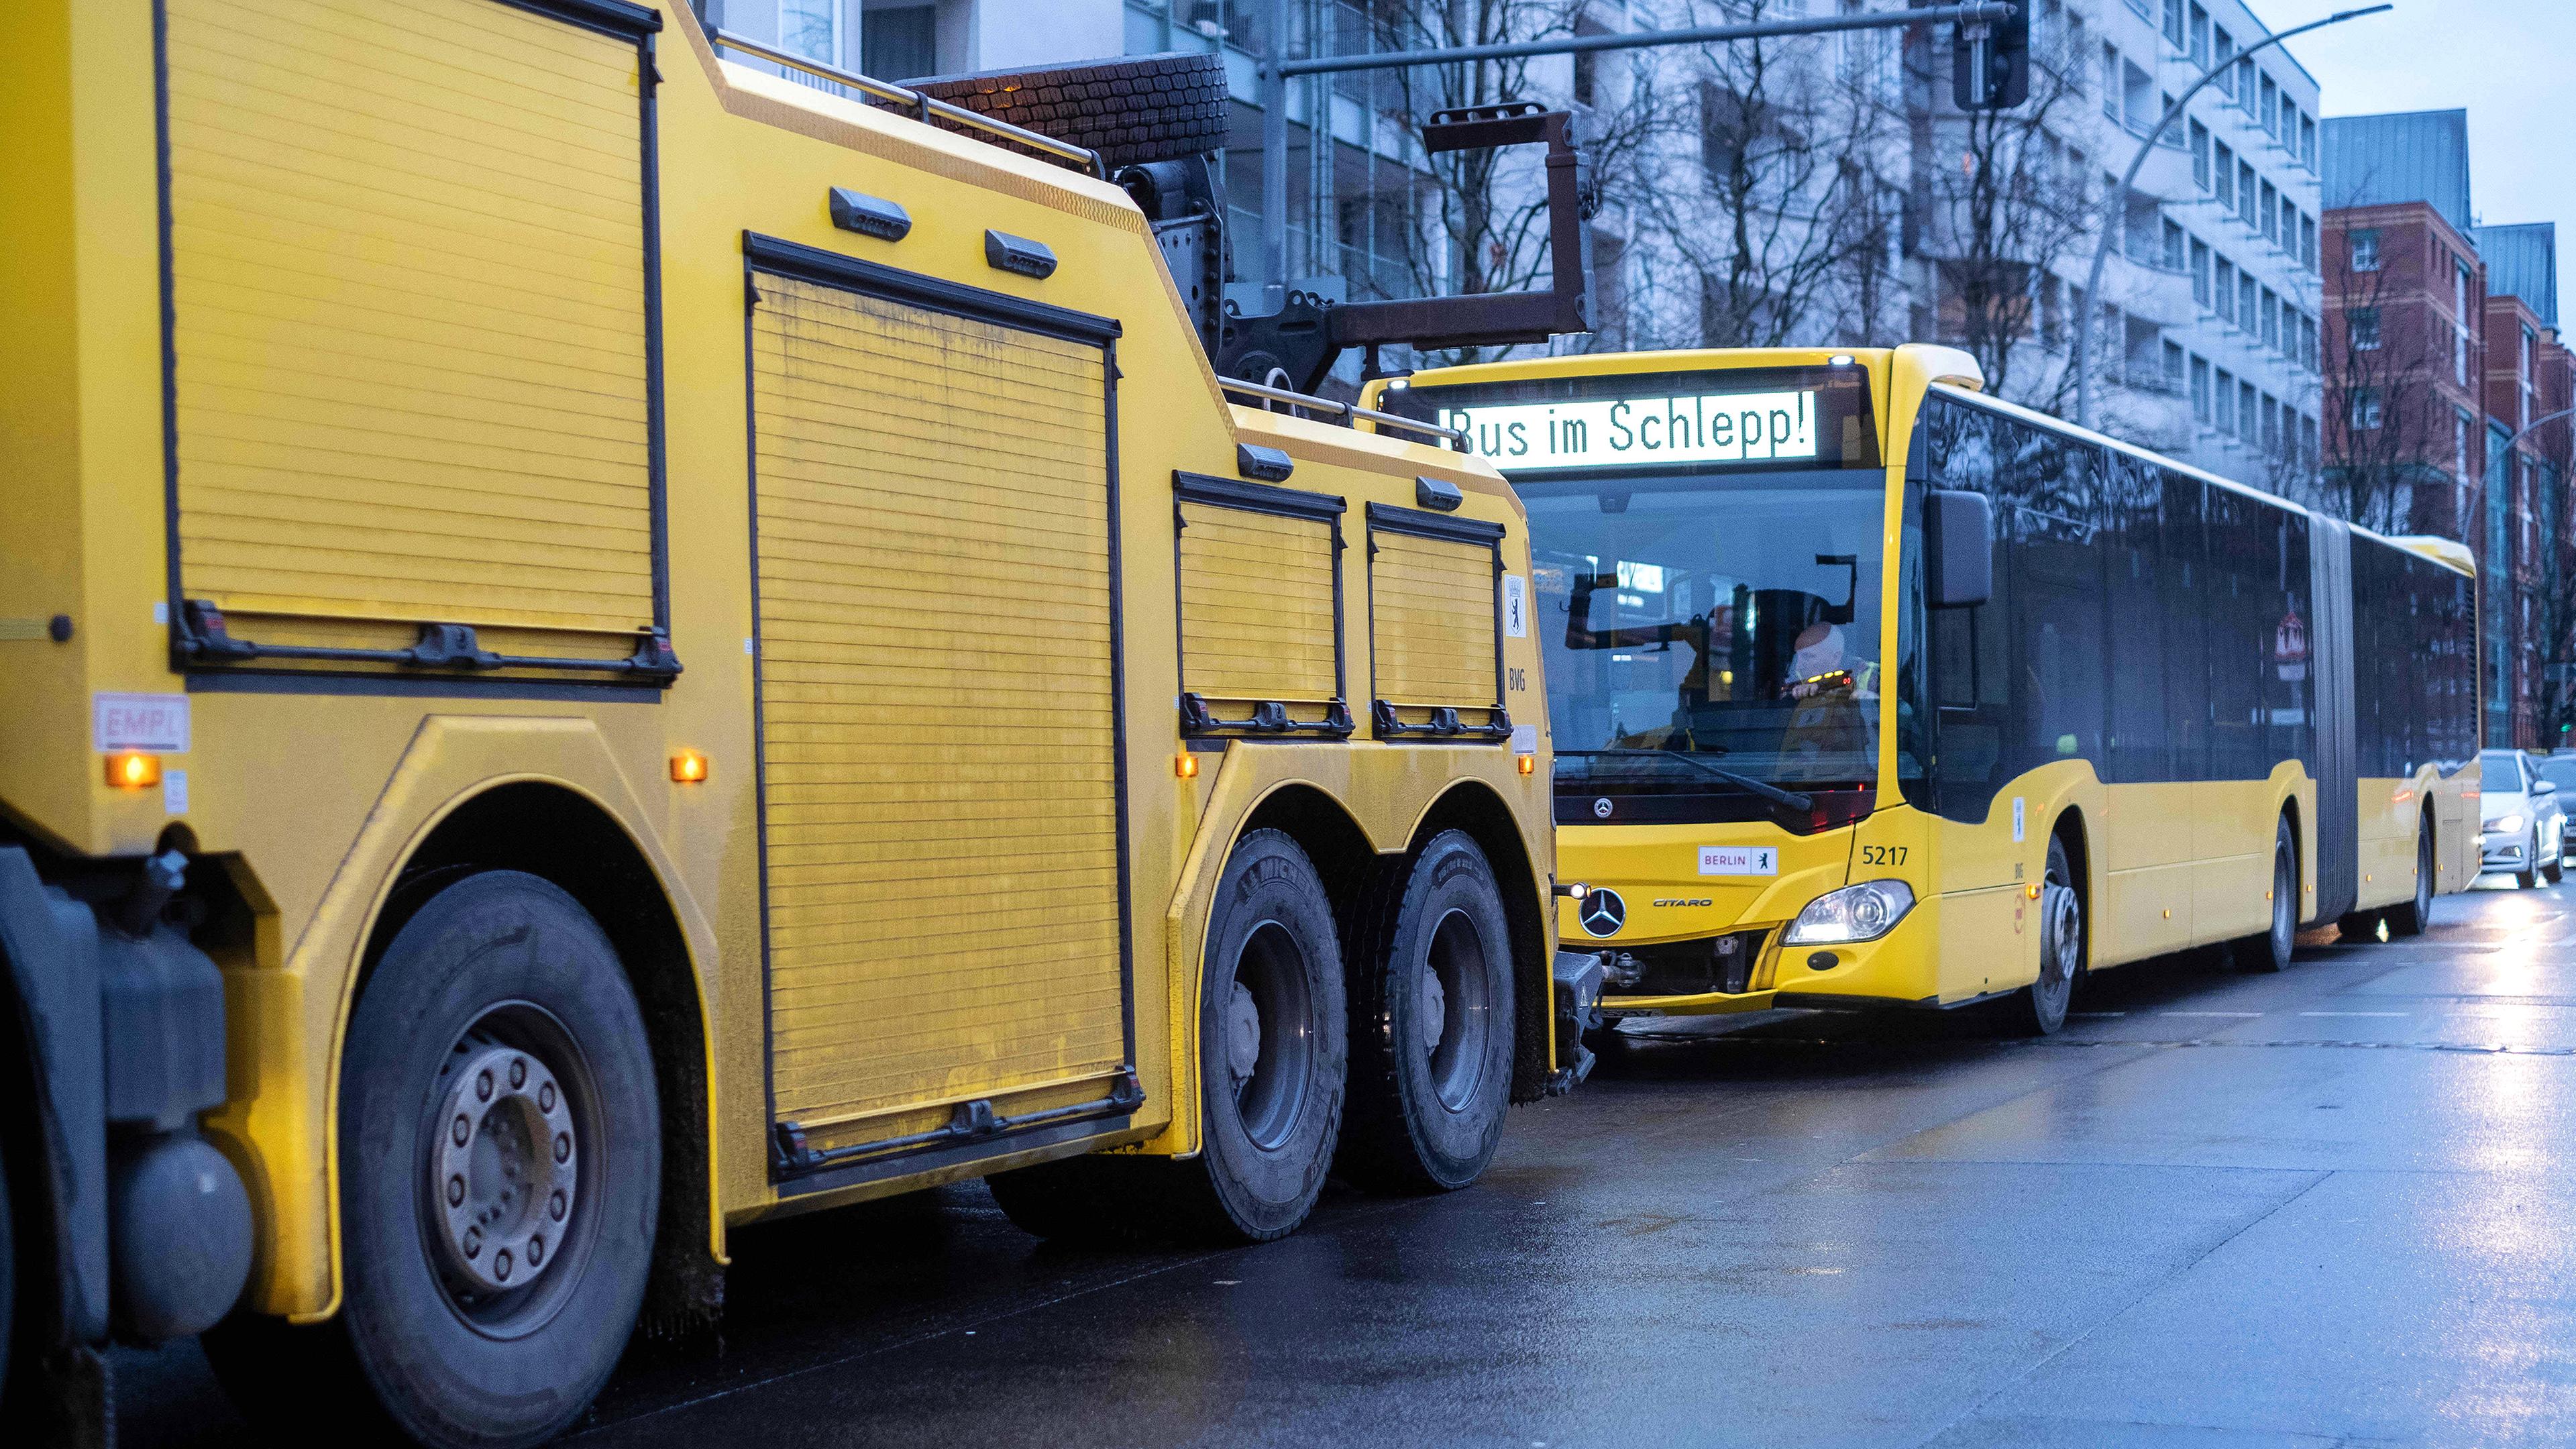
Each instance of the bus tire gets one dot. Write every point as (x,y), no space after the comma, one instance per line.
(2269,950)
(500,1012)
(1273,1050)
(2039,1009)
(1431,1027)
(2411,918)
(1132,110)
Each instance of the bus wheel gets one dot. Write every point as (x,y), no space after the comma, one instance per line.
(2411,918)
(2270,951)
(1272,1049)
(2039,1009)
(501,1166)
(1432,1029)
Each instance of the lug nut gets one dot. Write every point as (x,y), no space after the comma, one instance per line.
(563,1147)
(456,1190)
(473,1241)
(555,1206)
(546,1098)
(483,1086)
(501,1265)
(463,1131)
(518,1072)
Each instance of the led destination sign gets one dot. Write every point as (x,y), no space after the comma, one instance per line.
(1736,427)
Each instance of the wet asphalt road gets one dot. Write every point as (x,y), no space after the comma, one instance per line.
(2331,1206)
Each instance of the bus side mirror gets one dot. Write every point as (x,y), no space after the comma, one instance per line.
(1958,548)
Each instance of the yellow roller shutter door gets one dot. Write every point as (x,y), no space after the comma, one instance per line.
(1434,628)
(938,718)
(407,248)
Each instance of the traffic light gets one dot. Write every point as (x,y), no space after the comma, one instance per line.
(1990,62)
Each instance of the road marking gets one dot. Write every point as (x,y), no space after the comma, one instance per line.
(2209,1013)
(2097,1015)
(2355,1013)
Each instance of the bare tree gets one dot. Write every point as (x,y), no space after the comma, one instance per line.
(2003,203)
(1770,223)
(1482,223)
(2384,419)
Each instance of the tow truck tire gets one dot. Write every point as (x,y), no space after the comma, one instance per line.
(8,1282)
(1431,1027)
(500,1015)
(2411,918)
(1132,110)
(1273,1051)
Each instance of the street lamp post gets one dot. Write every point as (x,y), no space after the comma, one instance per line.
(2120,198)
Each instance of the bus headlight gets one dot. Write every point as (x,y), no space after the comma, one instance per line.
(1861,912)
(2504,825)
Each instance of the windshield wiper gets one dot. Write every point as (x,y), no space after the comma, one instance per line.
(1766,790)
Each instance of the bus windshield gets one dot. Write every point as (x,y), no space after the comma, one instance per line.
(1699,620)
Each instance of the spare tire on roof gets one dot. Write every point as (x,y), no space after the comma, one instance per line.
(1131,110)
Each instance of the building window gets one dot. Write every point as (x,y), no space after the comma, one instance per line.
(2246,197)
(2200,391)
(2226,402)
(2200,155)
(2200,36)
(2268,214)
(2460,322)
(2308,341)
(2226,290)
(2269,309)
(899,41)
(2365,249)
(2173,257)
(2365,409)
(2363,325)
(2226,52)
(2246,316)
(2200,271)
(2111,88)
(2308,241)
(2308,140)
(2248,425)
(2173,368)
(2174,23)
(811,28)
(2459,443)
(2226,179)
(2267,112)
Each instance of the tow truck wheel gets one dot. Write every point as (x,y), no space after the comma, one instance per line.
(1131,110)
(500,1172)
(2039,1009)
(1273,1048)
(1432,1028)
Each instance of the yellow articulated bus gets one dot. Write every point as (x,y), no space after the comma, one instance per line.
(1870,690)
(602,642)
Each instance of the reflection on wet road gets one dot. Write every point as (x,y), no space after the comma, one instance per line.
(2327,1206)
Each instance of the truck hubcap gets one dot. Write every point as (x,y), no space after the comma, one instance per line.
(1269,1035)
(504,1167)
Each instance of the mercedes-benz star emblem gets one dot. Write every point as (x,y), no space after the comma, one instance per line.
(1603,911)
(1601,808)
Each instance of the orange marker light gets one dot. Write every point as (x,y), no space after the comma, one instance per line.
(2031,890)
(130,770)
(689,767)
(1186,765)
(1529,764)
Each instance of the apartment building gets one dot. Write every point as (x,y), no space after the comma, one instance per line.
(2215,278)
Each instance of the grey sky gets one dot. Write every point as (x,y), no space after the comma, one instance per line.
(2507,61)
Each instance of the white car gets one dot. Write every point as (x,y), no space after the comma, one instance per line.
(2523,827)
(2559,769)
